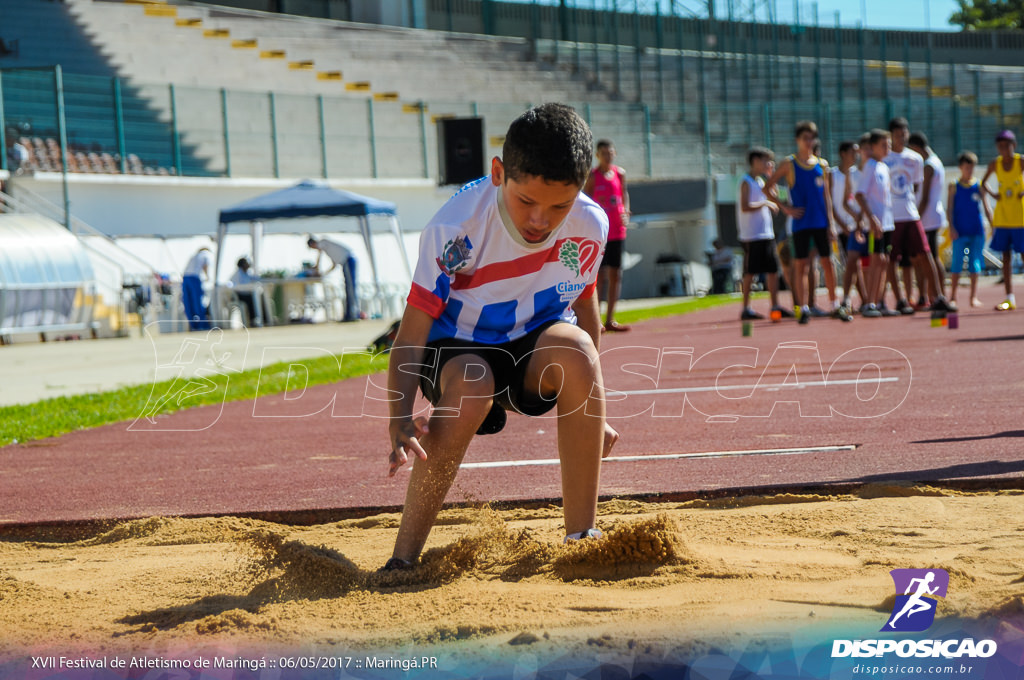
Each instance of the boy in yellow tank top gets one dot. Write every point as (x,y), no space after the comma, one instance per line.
(1008,221)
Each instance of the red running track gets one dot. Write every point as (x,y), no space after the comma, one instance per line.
(872,400)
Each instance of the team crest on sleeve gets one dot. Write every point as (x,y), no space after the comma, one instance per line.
(455,256)
(579,255)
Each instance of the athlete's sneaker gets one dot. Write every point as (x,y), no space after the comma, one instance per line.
(1006,306)
(583,535)
(870,311)
(941,304)
(818,312)
(842,314)
(495,420)
(749,314)
(905,308)
(884,309)
(397,564)
(805,317)
(785,313)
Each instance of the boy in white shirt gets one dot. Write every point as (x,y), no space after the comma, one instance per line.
(503,314)
(874,196)
(757,233)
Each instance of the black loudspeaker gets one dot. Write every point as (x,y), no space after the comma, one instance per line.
(460,147)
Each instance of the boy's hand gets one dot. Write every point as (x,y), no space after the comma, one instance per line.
(610,437)
(952,234)
(876,226)
(795,213)
(859,237)
(405,436)
(774,207)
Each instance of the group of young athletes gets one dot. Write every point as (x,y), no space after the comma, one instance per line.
(883,204)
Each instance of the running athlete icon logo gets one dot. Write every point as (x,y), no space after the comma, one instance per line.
(914,609)
(579,255)
(455,256)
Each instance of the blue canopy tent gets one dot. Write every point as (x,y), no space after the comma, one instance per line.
(307,199)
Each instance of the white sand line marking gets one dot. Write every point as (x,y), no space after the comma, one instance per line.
(755,386)
(669,456)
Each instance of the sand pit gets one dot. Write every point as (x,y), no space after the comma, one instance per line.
(667,576)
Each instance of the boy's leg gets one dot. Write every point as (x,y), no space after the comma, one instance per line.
(954,282)
(974,289)
(800,282)
(1008,271)
(772,279)
(614,288)
(445,445)
(565,363)
(748,281)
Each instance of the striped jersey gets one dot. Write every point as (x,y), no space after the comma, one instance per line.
(482,282)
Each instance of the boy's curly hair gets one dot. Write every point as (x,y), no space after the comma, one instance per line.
(550,141)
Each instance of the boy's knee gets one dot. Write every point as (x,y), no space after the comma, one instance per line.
(467,376)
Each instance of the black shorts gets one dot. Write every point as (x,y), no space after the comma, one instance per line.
(760,257)
(613,254)
(508,363)
(933,240)
(803,239)
(880,246)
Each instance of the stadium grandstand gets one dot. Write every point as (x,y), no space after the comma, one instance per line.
(352,91)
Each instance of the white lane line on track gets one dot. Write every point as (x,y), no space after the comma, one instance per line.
(667,456)
(756,386)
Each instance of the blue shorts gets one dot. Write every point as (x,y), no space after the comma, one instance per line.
(969,247)
(855,246)
(1006,238)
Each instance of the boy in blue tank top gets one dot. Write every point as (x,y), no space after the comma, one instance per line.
(810,192)
(965,206)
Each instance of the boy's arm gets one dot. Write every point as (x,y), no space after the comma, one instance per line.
(873,221)
(403,382)
(986,207)
(588,316)
(984,180)
(829,208)
(588,186)
(950,197)
(625,193)
(926,189)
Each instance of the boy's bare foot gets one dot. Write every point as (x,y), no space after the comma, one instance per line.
(616,327)
(975,302)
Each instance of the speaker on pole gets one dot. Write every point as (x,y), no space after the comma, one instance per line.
(460,145)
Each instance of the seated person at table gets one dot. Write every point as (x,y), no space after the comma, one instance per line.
(242,277)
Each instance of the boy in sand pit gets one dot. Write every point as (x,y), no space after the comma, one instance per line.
(503,315)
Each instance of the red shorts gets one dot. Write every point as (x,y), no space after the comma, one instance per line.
(908,241)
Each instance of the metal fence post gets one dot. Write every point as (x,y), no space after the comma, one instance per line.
(273,135)
(1002,103)
(423,139)
(175,141)
(62,133)
(227,133)
(906,79)
(637,66)
(3,127)
(614,14)
(647,141)
(957,136)
(320,119)
(119,124)
(863,78)
(766,123)
(658,43)
(373,138)
(839,59)
(706,123)
(977,109)
(448,11)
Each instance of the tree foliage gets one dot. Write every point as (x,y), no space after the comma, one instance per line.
(989,15)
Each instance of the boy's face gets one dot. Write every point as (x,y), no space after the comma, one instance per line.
(605,155)
(537,207)
(850,155)
(1006,148)
(900,135)
(805,141)
(759,166)
(966,170)
(881,149)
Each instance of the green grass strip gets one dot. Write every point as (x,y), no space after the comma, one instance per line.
(59,415)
